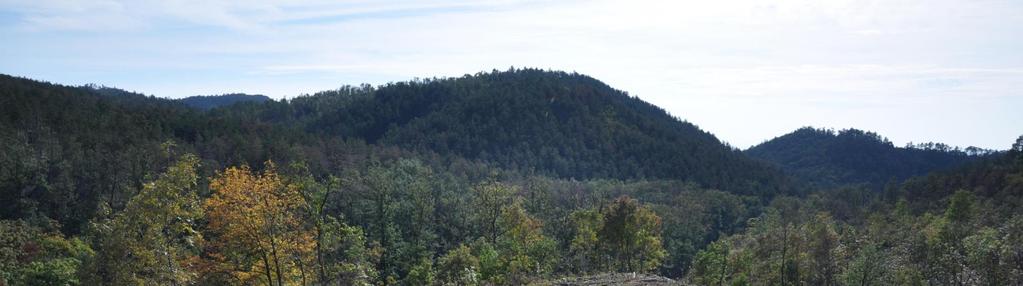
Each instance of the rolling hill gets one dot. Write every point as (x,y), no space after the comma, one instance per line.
(555,123)
(207,102)
(826,158)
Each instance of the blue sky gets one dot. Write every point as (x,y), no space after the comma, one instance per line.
(745,70)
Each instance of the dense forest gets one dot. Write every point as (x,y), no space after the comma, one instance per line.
(207,102)
(957,227)
(499,178)
(829,159)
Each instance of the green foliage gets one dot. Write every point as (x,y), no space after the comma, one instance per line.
(584,249)
(54,272)
(458,267)
(868,267)
(396,205)
(214,101)
(489,202)
(953,235)
(984,250)
(154,239)
(76,148)
(421,274)
(960,207)
(823,250)
(710,267)
(501,178)
(345,258)
(631,236)
(29,255)
(827,159)
(14,237)
(491,263)
(523,248)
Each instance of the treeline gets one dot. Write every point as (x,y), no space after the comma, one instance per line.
(959,227)
(207,102)
(825,158)
(393,223)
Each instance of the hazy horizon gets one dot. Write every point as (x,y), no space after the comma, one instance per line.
(746,71)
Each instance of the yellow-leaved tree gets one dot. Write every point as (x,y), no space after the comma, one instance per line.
(260,234)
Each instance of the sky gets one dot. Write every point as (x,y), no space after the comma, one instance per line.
(745,70)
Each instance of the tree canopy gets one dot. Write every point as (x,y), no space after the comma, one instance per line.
(499,178)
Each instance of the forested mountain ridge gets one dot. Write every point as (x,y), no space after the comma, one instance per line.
(67,150)
(555,123)
(207,102)
(91,174)
(501,178)
(826,158)
(549,123)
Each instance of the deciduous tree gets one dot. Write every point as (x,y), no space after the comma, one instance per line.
(154,240)
(631,235)
(259,227)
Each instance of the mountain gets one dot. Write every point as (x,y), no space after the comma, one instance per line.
(428,179)
(554,123)
(70,149)
(408,161)
(207,102)
(826,158)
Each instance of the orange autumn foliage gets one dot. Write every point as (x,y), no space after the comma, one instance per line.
(258,221)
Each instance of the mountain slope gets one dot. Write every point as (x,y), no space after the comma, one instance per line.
(68,150)
(65,147)
(207,102)
(554,123)
(827,159)
(998,176)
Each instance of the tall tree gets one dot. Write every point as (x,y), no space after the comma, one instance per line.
(524,250)
(489,201)
(710,266)
(631,234)
(258,223)
(584,253)
(822,245)
(346,258)
(867,267)
(458,267)
(154,240)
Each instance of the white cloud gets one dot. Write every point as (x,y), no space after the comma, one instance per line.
(746,70)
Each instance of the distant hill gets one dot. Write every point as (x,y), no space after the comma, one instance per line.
(207,102)
(557,124)
(826,158)
(998,176)
(554,123)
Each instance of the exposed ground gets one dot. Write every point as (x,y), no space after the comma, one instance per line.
(615,279)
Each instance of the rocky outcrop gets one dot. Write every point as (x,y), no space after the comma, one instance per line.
(617,279)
